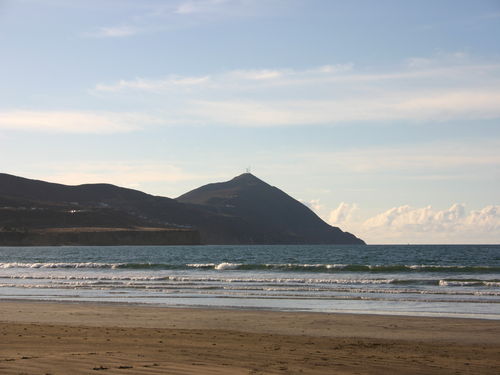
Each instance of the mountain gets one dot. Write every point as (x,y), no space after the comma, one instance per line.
(268,215)
(245,210)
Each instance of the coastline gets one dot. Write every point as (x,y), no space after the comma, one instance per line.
(57,337)
(231,307)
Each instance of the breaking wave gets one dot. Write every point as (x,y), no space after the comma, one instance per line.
(240,279)
(295,267)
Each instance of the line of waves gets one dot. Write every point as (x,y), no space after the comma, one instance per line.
(193,280)
(294,267)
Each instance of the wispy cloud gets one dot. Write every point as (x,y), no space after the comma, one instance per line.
(439,88)
(113,32)
(164,16)
(428,158)
(72,121)
(132,174)
(199,6)
(168,83)
(417,106)
(241,79)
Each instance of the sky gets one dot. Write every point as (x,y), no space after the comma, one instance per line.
(382,116)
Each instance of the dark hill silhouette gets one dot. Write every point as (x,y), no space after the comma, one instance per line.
(270,215)
(145,208)
(24,188)
(243,210)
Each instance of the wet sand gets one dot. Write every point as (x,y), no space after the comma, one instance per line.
(69,338)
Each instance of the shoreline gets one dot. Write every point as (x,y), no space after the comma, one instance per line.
(78,338)
(433,315)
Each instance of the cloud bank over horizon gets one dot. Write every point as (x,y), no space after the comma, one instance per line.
(421,225)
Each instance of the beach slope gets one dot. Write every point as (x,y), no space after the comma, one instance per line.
(70,338)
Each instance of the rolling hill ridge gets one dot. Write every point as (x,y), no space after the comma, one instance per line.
(244,210)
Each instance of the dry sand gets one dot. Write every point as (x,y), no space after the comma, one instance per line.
(65,338)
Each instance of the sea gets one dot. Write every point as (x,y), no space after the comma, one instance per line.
(414,280)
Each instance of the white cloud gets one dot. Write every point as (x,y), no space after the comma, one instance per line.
(329,69)
(72,121)
(220,9)
(172,82)
(442,88)
(343,214)
(163,16)
(242,79)
(113,32)
(457,59)
(405,223)
(417,107)
(314,204)
(198,6)
(262,74)
(487,218)
(419,62)
(425,219)
(429,159)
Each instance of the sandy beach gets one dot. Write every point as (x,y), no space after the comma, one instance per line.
(70,338)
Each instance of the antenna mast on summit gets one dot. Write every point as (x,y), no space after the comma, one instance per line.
(248,169)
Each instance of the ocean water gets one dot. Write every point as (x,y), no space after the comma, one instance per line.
(430,280)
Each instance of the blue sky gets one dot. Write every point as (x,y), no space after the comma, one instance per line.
(382,116)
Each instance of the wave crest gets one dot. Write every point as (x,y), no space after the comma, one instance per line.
(297,267)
